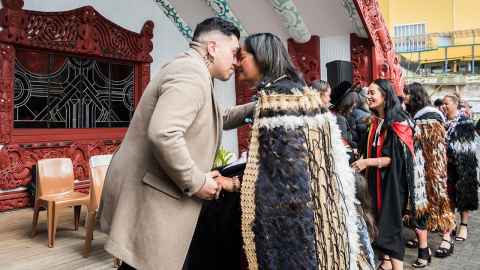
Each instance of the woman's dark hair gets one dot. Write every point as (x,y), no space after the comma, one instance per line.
(366,210)
(271,57)
(419,98)
(215,24)
(347,103)
(401,99)
(321,85)
(393,109)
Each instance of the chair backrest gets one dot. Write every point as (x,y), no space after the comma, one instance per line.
(98,170)
(54,176)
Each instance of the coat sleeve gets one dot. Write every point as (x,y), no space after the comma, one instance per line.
(233,117)
(182,95)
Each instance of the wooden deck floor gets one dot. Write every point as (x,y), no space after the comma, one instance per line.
(18,251)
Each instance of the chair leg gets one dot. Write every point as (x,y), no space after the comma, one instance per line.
(77,210)
(36,211)
(90,227)
(52,223)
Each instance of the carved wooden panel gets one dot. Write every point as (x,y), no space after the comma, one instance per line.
(361,55)
(244,94)
(82,32)
(15,200)
(385,62)
(306,57)
(17,161)
(7,63)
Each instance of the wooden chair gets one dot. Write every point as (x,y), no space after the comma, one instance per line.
(55,190)
(98,170)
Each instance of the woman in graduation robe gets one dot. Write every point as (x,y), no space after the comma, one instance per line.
(388,164)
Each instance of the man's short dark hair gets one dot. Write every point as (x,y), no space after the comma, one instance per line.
(438,102)
(216,24)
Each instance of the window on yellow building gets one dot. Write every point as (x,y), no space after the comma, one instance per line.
(444,41)
(410,37)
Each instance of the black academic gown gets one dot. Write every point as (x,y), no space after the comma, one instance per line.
(217,241)
(389,189)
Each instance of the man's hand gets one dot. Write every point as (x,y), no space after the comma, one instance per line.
(210,190)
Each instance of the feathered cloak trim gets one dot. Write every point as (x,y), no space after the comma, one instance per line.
(431,174)
(462,164)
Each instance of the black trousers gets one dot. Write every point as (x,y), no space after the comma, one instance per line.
(125,266)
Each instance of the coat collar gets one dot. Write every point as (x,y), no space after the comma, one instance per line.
(197,56)
(218,114)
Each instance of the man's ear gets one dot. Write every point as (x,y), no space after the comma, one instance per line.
(211,48)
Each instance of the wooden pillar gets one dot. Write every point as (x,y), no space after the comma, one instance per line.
(306,57)
(244,94)
(361,57)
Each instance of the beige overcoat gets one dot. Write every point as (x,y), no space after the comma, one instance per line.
(147,207)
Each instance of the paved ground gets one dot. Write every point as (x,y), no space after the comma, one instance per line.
(20,252)
(466,254)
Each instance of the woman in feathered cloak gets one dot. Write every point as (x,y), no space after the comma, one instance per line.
(297,194)
(462,166)
(431,206)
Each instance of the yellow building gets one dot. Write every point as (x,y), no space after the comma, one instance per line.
(435,36)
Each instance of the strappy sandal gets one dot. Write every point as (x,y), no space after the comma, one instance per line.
(384,259)
(424,258)
(412,243)
(459,238)
(443,252)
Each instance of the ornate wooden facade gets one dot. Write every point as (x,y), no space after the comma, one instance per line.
(372,58)
(81,32)
(379,50)
(306,57)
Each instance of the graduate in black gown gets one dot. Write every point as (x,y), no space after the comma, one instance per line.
(388,165)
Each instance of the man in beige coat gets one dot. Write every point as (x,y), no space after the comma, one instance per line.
(157,180)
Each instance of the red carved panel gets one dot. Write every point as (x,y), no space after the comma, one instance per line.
(14,200)
(244,94)
(361,56)
(16,160)
(82,30)
(385,62)
(306,57)
(142,81)
(7,64)
(79,32)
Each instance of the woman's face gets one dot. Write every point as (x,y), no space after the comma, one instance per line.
(325,96)
(248,69)
(407,99)
(449,107)
(375,99)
